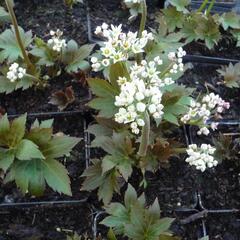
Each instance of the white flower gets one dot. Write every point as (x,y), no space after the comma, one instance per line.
(201,157)
(94,60)
(203,110)
(15,72)
(120,46)
(98,30)
(56,43)
(141,107)
(105,62)
(140,122)
(204,131)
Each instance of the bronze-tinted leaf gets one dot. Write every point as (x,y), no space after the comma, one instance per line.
(63,98)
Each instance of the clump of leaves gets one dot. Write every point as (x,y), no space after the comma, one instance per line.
(28,157)
(110,172)
(72,56)
(63,98)
(231,75)
(227,148)
(197,25)
(136,221)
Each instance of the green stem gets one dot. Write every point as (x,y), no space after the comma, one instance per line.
(145,137)
(203,5)
(142,25)
(210,7)
(18,36)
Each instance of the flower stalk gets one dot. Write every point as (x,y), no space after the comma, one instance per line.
(210,7)
(142,152)
(203,5)
(142,25)
(9,5)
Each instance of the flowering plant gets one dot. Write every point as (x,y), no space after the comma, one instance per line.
(26,60)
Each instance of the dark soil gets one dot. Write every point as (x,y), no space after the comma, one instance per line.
(175,186)
(35,101)
(112,12)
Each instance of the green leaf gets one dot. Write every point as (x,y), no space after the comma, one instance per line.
(105,93)
(172,18)
(59,146)
(27,150)
(180,5)
(4,16)
(231,75)
(10,48)
(17,130)
(56,176)
(106,183)
(29,176)
(73,56)
(111,235)
(117,70)
(45,54)
(130,196)
(6,159)
(230,20)
(4,126)
(208,30)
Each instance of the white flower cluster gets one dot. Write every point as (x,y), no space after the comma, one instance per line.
(15,72)
(177,58)
(142,92)
(119,46)
(211,103)
(132,1)
(56,43)
(201,157)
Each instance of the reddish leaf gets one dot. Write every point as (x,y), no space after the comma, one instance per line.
(63,98)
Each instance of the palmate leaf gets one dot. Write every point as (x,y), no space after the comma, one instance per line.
(46,56)
(231,75)
(208,30)
(134,220)
(24,83)
(230,20)
(105,93)
(176,102)
(6,159)
(10,49)
(180,5)
(56,176)
(74,57)
(173,18)
(32,176)
(58,146)
(12,133)
(106,183)
(4,16)
(27,150)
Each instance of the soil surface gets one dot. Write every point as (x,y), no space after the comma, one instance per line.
(175,187)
